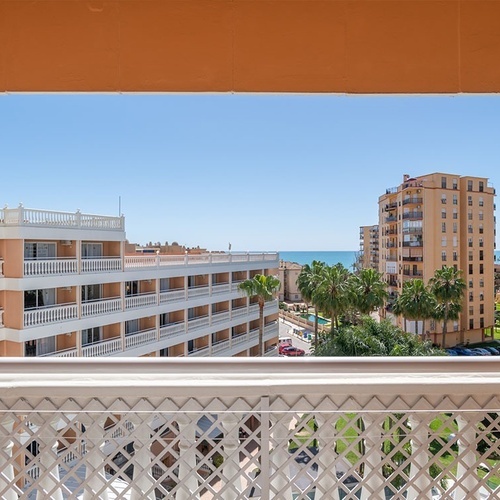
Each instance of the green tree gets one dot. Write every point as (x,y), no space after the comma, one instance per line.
(448,287)
(368,291)
(415,302)
(371,338)
(308,282)
(264,288)
(332,294)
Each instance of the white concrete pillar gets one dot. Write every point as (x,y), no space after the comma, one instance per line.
(7,486)
(280,483)
(231,471)
(95,477)
(327,486)
(373,479)
(188,480)
(419,468)
(142,480)
(466,469)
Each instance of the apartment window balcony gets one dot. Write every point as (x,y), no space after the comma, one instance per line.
(103,348)
(50,267)
(195,411)
(412,230)
(101,306)
(50,314)
(172,330)
(417,243)
(412,201)
(198,322)
(172,295)
(140,300)
(412,272)
(101,265)
(391,206)
(220,317)
(413,259)
(391,218)
(140,338)
(413,215)
(221,288)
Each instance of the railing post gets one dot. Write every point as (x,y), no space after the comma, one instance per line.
(466,469)
(143,480)
(327,483)
(95,477)
(188,481)
(373,480)
(231,467)
(7,484)
(421,487)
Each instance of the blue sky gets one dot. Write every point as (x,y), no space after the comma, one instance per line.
(264,172)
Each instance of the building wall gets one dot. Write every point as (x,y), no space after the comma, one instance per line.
(288,273)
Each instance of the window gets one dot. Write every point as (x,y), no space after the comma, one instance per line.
(455,184)
(131,288)
(443,256)
(471,257)
(91,335)
(471,284)
(443,213)
(455,213)
(443,227)
(131,326)
(469,215)
(443,199)
(471,324)
(469,201)
(481,308)
(455,199)
(164,284)
(480,215)
(39,298)
(471,310)
(481,230)
(164,319)
(481,243)
(481,296)
(443,182)
(481,255)
(91,292)
(481,186)
(455,256)
(469,185)
(91,250)
(481,201)
(39,251)
(471,297)
(470,242)
(455,227)
(469,229)
(471,269)
(481,268)
(481,322)
(481,283)
(455,241)
(443,241)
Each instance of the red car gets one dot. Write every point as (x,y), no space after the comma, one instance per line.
(292,351)
(282,346)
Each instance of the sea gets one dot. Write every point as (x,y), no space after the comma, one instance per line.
(346,258)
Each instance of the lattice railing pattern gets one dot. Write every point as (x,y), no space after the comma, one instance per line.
(254,447)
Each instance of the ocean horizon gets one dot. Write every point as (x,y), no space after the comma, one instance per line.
(346,258)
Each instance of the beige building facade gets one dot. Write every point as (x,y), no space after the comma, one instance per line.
(288,273)
(368,256)
(440,219)
(68,288)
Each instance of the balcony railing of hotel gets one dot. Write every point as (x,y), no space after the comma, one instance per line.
(372,428)
(412,230)
(391,206)
(62,266)
(413,259)
(391,218)
(412,272)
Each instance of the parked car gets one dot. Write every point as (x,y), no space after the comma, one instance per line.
(464,351)
(493,350)
(452,352)
(283,346)
(293,351)
(481,351)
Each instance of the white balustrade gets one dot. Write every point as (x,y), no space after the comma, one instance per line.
(66,353)
(173,330)
(101,306)
(1,317)
(235,287)
(141,338)
(140,300)
(101,265)
(50,314)
(103,348)
(200,353)
(198,291)
(240,339)
(50,267)
(220,288)
(195,323)
(220,317)
(226,428)
(172,296)
(239,311)
(172,260)
(220,346)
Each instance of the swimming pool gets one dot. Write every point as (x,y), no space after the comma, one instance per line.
(310,317)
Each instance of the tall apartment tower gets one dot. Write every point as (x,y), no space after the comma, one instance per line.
(435,220)
(68,288)
(368,256)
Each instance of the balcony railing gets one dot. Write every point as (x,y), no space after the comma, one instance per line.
(101,306)
(408,201)
(48,267)
(344,428)
(50,314)
(413,215)
(417,243)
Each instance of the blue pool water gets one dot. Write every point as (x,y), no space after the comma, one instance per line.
(321,321)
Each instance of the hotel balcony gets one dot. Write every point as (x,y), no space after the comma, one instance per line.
(412,201)
(330,428)
(413,215)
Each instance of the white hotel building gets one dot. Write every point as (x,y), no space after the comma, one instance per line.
(68,289)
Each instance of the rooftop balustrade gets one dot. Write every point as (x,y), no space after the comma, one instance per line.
(344,428)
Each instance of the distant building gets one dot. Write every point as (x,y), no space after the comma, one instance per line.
(368,256)
(288,273)
(435,220)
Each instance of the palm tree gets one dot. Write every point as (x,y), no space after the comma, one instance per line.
(448,287)
(308,282)
(264,288)
(332,294)
(415,302)
(368,291)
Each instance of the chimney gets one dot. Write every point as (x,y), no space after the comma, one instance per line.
(405,177)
